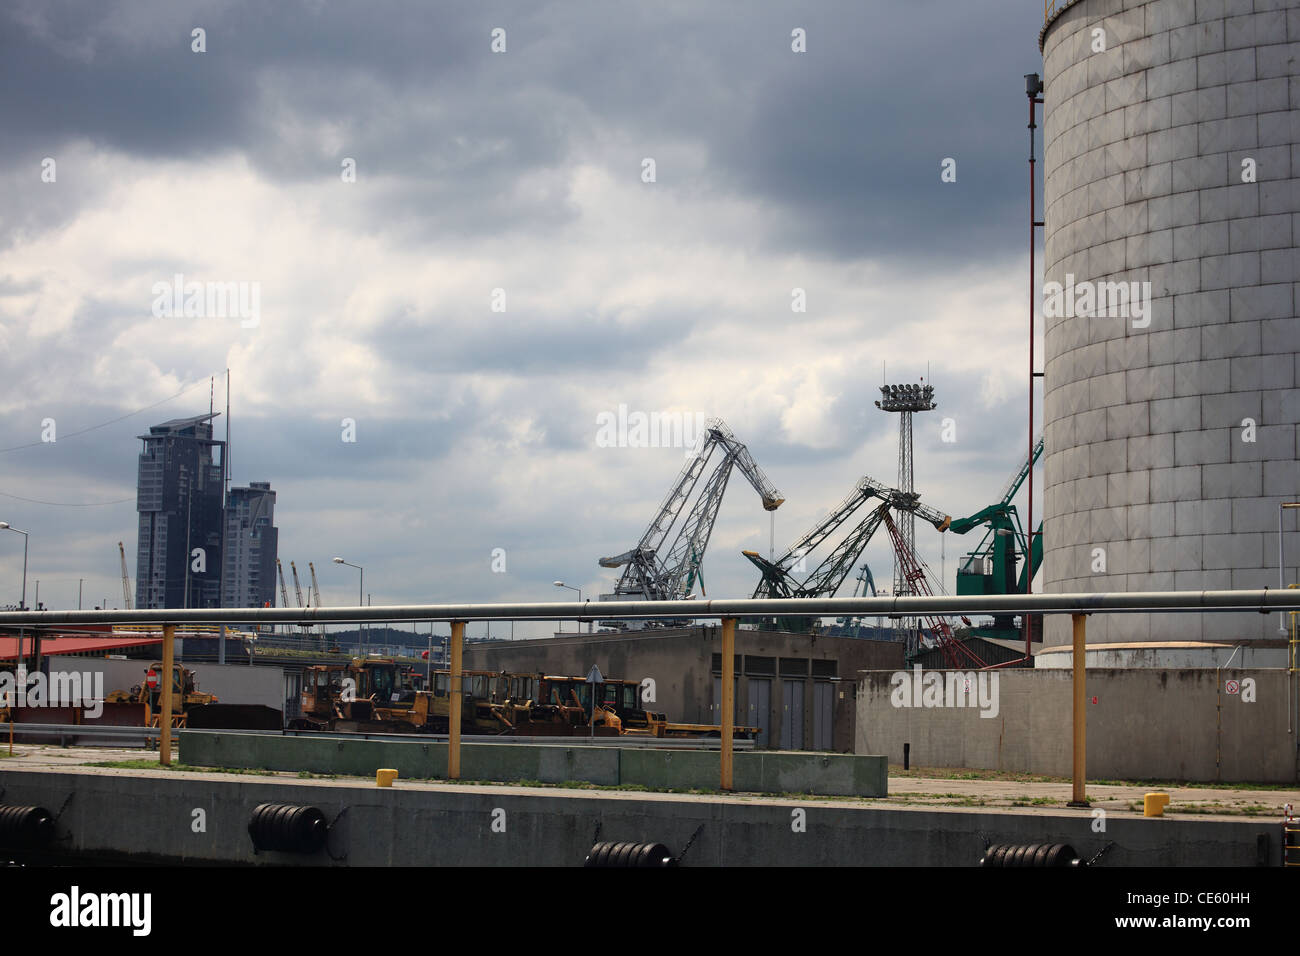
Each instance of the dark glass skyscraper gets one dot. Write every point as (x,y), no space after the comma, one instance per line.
(250,547)
(179,500)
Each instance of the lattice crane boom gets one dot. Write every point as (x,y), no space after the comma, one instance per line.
(682,563)
(1013,484)
(653,572)
(284,592)
(915,574)
(827,577)
(666,515)
(297,588)
(126,580)
(865,489)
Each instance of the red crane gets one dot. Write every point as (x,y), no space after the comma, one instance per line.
(916,574)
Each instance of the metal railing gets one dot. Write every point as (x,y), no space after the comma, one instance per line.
(121,735)
(136,735)
(1077,605)
(1266,601)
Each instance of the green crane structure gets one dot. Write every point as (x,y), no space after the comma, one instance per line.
(991,568)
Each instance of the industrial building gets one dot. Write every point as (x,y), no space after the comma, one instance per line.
(179,499)
(1170,436)
(798,689)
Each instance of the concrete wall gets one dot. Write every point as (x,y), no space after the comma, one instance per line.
(138,818)
(855,775)
(681,659)
(1146,724)
(1169,656)
(1144,449)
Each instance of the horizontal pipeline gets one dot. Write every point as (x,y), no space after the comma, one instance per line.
(1264,601)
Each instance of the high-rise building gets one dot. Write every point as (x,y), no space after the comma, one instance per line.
(179,500)
(248,579)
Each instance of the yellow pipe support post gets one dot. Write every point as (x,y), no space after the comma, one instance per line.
(728,697)
(165,715)
(1080,681)
(455,701)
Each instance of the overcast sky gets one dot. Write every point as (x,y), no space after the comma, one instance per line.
(521,171)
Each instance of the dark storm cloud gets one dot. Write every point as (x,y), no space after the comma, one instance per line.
(844,142)
(833,154)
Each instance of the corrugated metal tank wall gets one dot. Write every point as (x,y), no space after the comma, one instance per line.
(1146,454)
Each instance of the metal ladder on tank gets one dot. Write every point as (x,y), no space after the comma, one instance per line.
(1290,838)
(1292,669)
(1290,825)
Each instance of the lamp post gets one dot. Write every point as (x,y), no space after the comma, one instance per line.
(22,602)
(361,590)
(1281,582)
(561,584)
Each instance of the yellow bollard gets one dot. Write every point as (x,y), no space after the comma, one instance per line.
(385,778)
(1153,804)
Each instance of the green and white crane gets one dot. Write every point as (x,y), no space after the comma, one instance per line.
(998,564)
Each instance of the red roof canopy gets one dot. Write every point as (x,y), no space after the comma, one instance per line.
(72,645)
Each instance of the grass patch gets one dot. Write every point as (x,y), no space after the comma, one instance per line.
(146,764)
(1191,785)
(960,773)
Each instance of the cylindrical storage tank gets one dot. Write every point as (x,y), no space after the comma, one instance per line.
(1171,158)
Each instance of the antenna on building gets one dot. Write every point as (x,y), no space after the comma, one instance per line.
(225,454)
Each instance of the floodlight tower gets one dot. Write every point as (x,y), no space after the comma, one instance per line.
(905,399)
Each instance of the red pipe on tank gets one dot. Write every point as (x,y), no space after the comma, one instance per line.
(1033,86)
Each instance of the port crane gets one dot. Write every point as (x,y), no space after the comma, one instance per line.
(297,588)
(315,588)
(126,580)
(284,592)
(991,567)
(825,579)
(656,570)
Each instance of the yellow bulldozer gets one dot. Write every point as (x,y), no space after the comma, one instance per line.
(191,708)
(185,695)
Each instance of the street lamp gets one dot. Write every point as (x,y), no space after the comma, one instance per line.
(561,584)
(22,602)
(361,590)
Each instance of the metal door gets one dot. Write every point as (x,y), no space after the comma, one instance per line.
(792,715)
(292,695)
(823,716)
(760,709)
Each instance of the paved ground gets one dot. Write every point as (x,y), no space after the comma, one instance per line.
(941,789)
